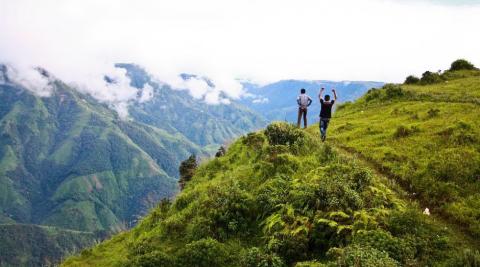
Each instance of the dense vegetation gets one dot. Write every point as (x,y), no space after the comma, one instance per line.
(281,198)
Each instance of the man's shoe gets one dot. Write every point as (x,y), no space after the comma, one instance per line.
(323,138)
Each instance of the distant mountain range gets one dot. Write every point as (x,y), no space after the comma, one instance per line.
(277,101)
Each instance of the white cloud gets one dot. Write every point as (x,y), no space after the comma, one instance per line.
(30,79)
(268,40)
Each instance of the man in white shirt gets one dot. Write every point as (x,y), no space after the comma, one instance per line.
(303,101)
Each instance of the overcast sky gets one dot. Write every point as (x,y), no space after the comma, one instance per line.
(262,40)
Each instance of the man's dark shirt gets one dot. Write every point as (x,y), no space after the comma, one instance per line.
(326,111)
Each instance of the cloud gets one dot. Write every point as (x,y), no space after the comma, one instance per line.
(229,41)
(30,79)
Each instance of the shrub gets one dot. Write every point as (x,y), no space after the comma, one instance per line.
(221,152)
(373,94)
(153,259)
(396,248)
(203,253)
(462,64)
(254,140)
(403,131)
(429,77)
(281,133)
(393,91)
(187,170)
(255,257)
(228,210)
(362,256)
(310,264)
(412,80)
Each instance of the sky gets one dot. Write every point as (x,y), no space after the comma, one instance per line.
(258,40)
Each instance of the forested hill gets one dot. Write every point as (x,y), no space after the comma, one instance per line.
(280,197)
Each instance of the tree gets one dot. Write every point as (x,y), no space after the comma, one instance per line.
(221,152)
(462,64)
(187,170)
(429,77)
(412,80)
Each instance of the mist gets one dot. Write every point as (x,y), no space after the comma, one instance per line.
(229,41)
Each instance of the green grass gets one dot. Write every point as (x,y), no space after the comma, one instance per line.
(432,146)
(286,201)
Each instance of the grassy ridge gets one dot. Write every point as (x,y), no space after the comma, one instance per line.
(425,136)
(281,198)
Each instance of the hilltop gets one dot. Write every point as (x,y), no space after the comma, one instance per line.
(280,197)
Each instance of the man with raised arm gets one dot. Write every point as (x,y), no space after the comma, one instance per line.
(325,111)
(303,101)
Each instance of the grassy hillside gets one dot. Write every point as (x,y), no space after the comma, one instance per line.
(282,198)
(426,137)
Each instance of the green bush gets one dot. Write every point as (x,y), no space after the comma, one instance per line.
(255,257)
(412,80)
(203,253)
(362,256)
(429,77)
(228,210)
(373,94)
(254,140)
(153,259)
(462,64)
(280,133)
(403,131)
(398,249)
(187,170)
(393,91)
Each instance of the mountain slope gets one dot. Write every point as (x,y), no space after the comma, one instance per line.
(427,137)
(277,101)
(176,111)
(70,162)
(281,198)
(39,245)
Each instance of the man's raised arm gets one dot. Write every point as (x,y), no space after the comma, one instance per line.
(334,94)
(320,94)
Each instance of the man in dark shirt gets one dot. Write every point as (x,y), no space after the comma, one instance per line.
(326,111)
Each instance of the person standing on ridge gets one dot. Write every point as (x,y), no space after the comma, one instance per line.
(325,111)
(303,101)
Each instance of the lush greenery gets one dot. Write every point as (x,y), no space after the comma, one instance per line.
(282,198)
(427,138)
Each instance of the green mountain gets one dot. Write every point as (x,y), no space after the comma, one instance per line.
(280,197)
(70,163)
(176,111)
